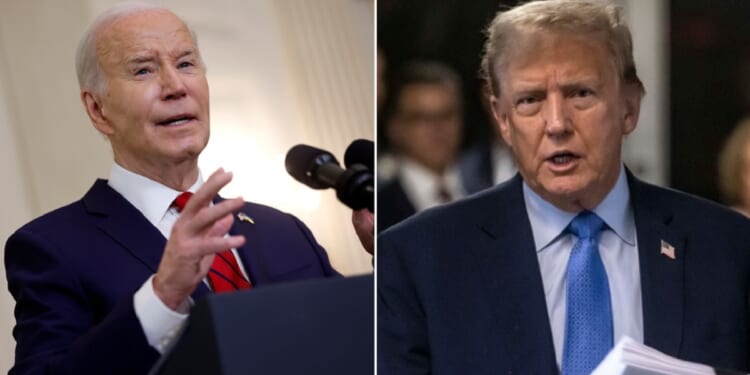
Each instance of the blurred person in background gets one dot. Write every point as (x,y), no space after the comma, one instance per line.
(423,127)
(489,161)
(734,168)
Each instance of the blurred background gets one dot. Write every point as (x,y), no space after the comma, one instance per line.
(693,57)
(280,72)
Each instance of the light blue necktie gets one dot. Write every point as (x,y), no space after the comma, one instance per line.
(588,322)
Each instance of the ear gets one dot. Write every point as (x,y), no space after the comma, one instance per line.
(93,105)
(632,103)
(500,115)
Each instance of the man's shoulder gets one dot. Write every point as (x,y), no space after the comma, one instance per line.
(70,218)
(62,218)
(262,209)
(257,213)
(685,207)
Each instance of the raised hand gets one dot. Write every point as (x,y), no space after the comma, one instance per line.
(364,224)
(197,235)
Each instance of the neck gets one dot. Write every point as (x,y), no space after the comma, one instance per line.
(179,175)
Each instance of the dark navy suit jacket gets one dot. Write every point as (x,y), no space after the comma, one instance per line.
(460,290)
(393,204)
(73,273)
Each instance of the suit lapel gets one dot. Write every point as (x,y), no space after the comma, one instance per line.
(125,225)
(253,265)
(512,279)
(662,278)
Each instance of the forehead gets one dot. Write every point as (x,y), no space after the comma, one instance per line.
(420,93)
(564,55)
(154,31)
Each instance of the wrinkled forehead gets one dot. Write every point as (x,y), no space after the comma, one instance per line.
(540,46)
(152,30)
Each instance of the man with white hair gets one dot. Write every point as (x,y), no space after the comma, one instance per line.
(103,284)
(544,273)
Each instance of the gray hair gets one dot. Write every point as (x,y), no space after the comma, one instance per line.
(577,16)
(88,69)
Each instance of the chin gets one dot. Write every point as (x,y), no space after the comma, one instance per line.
(569,187)
(185,152)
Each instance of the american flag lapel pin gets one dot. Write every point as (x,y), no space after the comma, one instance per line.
(667,250)
(243,217)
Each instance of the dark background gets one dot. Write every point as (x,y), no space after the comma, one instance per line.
(708,81)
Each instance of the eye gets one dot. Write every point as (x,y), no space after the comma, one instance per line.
(142,71)
(526,100)
(528,105)
(582,93)
(582,97)
(185,64)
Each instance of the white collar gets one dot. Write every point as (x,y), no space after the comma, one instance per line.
(420,183)
(548,222)
(150,197)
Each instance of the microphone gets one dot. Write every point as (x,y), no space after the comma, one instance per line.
(360,151)
(319,169)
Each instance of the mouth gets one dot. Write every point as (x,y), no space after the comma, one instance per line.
(176,120)
(562,158)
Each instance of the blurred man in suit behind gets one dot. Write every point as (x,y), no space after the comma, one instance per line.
(424,127)
(542,274)
(102,285)
(489,161)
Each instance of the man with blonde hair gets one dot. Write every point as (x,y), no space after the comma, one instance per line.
(544,273)
(103,285)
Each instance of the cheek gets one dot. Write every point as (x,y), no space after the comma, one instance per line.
(526,138)
(199,89)
(138,101)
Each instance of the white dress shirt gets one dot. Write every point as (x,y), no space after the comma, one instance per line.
(154,200)
(421,184)
(618,249)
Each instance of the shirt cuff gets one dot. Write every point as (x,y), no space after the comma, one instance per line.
(160,323)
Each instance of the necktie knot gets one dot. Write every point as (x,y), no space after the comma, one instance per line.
(586,225)
(181,201)
(442,193)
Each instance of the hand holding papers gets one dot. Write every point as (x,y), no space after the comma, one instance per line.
(629,357)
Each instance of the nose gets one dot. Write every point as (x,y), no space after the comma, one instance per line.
(555,119)
(173,86)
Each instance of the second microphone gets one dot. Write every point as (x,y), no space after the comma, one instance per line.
(319,169)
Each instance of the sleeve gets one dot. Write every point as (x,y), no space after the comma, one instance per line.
(57,331)
(403,346)
(160,324)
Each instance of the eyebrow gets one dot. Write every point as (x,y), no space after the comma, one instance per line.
(146,58)
(531,85)
(140,59)
(187,52)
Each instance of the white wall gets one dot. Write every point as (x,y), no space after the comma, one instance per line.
(646,150)
(16,206)
(281,72)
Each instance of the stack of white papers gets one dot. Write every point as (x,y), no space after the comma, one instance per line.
(629,357)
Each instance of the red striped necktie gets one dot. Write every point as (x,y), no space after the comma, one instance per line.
(225,274)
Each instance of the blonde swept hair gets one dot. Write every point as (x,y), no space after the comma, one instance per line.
(732,164)
(574,16)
